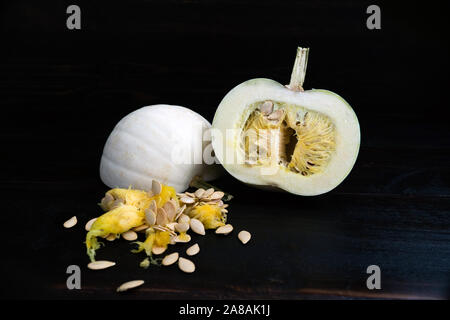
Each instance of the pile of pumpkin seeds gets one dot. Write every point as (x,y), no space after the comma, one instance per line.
(169,218)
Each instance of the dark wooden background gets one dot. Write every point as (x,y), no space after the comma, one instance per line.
(62,92)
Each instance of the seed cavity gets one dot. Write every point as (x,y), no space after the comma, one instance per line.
(276,115)
(267,107)
(291,137)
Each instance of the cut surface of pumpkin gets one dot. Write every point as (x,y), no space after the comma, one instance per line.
(270,135)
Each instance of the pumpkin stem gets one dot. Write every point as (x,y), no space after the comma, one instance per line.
(299,70)
(198,182)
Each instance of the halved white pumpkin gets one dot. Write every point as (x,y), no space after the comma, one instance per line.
(327,165)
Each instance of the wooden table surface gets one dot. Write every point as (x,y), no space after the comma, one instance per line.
(63,91)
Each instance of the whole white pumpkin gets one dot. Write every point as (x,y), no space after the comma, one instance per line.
(162,142)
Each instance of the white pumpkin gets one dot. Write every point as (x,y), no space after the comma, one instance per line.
(270,135)
(162,142)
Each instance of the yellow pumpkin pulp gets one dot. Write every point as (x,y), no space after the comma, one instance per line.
(127,215)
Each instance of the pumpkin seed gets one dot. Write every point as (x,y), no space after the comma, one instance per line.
(244,236)
(170,209)
(158,227)
(153,206)
(199,192)
(158,250)
(217,195)
(156,187)
(187,200)
(130,235)
(197,226)
(193,250)
(186,265)
(150,217)
(164,229)
(224,210)
(178,239)
(107,199)
(226,229)
(104,204)
(89,224)
(130,285)
(192,195)
(207,193)
(161,217)
(180,212)
(267,107)
(276,115)
(171,225)
(183,219)
(142,227)
(116,203)
(182,227)
(71,222)
(101,264)
(170,259)
(111,237)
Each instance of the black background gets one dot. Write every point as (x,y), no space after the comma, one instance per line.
(62,91)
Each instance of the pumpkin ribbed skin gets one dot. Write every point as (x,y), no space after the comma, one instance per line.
(161,142)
